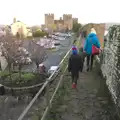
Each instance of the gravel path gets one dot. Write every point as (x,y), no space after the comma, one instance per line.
(90,101)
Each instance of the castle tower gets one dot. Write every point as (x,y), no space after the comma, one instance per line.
(49,19)
(68,21)
(14,20)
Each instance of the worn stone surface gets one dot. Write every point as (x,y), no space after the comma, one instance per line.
(111,62)
(85,103)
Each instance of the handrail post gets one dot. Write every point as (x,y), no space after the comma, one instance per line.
(47,95)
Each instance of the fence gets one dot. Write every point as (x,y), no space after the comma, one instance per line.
(42,88)
(46,85)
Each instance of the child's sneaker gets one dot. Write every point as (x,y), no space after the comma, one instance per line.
(73,85)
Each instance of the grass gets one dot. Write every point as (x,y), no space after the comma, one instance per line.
(58,102)
(62,92)
(27,79)
(28,76)
(4,73)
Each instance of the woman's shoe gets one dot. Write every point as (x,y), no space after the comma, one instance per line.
(87,69)
(90,68)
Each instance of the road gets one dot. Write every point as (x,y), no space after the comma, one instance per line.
(53,56)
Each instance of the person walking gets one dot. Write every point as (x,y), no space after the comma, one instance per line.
(75,65)
(91,40)
(83,37)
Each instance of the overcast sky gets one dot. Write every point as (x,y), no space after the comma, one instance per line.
(31,12)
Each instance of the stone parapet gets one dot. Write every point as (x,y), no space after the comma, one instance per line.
(111,64)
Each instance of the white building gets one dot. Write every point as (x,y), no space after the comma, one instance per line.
(19,27)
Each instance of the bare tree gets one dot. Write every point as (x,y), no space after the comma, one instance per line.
(38,54)
(8,50)
(14,53)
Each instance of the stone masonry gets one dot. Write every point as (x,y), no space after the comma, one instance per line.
(49,21)
(100,29)
(111,64)
(68,21)
(59,25)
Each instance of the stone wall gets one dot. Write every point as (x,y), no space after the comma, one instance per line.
(68,21)
(111,64)
(100,29)
(49,22)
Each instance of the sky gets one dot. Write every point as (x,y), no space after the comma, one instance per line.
(31,12)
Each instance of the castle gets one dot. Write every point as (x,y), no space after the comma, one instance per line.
(63,24)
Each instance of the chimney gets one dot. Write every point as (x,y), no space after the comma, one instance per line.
(14,20)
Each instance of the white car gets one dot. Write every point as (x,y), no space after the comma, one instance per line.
(52,69)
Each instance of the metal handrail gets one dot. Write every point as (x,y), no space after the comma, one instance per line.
(50,102)
(41,89)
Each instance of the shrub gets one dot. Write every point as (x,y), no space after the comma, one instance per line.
(24,77)
(15,76)
(39,33)
(28,76)
(4,73)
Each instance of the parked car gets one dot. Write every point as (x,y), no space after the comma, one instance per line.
(52,69)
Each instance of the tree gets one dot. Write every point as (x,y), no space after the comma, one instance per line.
(14,53)
(8,48)
(76,27)
(38,53)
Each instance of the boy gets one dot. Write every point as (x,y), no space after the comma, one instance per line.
(75,65)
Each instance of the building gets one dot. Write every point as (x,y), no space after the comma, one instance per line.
(20,28)
(49,22)
(59,24)
(75,20)
(63,24)
(68,21)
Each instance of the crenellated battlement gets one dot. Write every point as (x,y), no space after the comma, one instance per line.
(49,15)
(63,23)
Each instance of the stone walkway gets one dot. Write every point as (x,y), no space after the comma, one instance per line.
(89,102)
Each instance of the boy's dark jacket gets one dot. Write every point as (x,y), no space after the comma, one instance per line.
(75,63)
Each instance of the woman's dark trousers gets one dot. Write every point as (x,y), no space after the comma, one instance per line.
(90,59)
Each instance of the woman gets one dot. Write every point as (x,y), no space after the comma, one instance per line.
(91,39)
